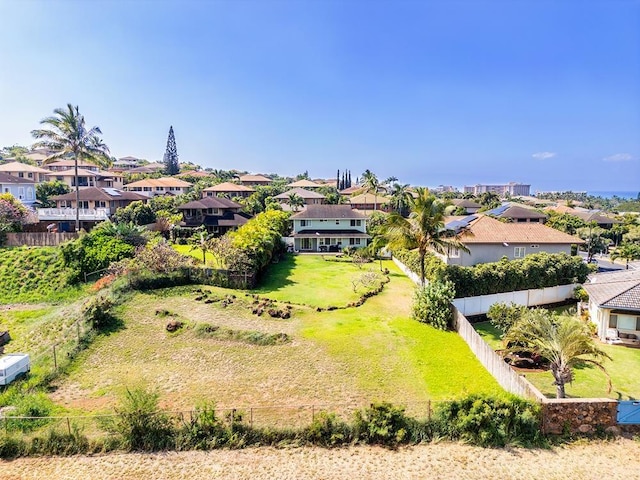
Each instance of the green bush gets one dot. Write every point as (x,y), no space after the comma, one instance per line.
(504,315)
(12,447)
(55,442)
(432,304)
(28,405)
(491,421)
(140,423)
(381,424)
(97,312)
(327,430)
(204,430)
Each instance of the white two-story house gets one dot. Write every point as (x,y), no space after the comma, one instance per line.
(328,228)
(21,188)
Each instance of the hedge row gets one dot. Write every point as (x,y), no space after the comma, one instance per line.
(540,270)
(140,426)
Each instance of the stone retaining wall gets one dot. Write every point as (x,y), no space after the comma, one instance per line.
(579,415)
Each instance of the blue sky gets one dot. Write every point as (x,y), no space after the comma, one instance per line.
(433,92)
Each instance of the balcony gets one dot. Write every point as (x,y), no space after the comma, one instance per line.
(86,214)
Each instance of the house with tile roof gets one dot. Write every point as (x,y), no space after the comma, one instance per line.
(614,305)
(23,189)
(253,180)
(23,170)
(217,214)
(489,240)
(96,205)
(304,183)
(87,177)
(228,190)
(328,228)
(308,197)
(159,186)
(368,202)
(469,205)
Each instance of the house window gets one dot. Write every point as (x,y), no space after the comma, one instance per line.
(101,204)
(21,174)
(519,252)
(303,223)
(613,321)
(30,175)
(337,222)
(356,223)
(84,204)
(147,189)
(21,192)
(535,246)
(354,241)
(454,252)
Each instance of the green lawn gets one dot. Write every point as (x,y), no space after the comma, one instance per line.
(311,280)
(347,356)
(624,369)
(196,253)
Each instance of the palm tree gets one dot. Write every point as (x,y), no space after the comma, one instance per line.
(626,251)
(68,135)
(295,201)
(424,229)
(400,198)
(372,184)
(564,341)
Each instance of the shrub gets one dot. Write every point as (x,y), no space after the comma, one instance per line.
(503,315)
(432,304)
(204,430)
(327,430)
(29,405)
(381,424)
(97,312)
(56,442)
(491,421)
(141,425)
(12,447)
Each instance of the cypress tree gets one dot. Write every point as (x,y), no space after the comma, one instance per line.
(349,180)
(171,164)
(338,180)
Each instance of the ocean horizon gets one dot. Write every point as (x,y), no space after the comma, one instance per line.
(611,194)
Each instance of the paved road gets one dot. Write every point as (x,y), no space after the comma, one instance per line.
(604,265)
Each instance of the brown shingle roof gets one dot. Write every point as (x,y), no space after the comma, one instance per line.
(6,178)
(21,167)
(254,178)
(304,184)
(329,212)
(489,230)
(210,202)
(369,199)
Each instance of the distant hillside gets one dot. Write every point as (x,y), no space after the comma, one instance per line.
(29,275)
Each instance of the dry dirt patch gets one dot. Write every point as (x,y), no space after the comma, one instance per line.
(592,461)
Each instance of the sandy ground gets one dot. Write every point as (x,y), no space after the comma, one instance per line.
(596,460)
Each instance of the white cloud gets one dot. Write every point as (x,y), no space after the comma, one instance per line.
(618,157)
(544,155)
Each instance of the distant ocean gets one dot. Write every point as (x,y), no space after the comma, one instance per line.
(604,194)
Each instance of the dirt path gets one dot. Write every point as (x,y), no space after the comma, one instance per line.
(592,461)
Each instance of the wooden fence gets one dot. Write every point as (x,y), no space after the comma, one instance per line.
(38,239)
(494,363)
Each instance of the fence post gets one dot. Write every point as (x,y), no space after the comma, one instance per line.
(429,409)
(55,359)
(313,413)
(68,426)
(78,328)
(251,417)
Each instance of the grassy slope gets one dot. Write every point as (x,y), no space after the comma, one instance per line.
(310,280)
(36,274)
(589,381)
(350,356)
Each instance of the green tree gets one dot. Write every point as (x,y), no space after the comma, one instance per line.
(49,189)
(424,229)
(565,342)
(171,163)
(68,135)
(138,213)
(400,198)
(626,251)
(372,185)
(565,222)
(295,201)
(12,214)
(432,304)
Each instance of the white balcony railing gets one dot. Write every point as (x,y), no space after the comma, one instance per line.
(87,214)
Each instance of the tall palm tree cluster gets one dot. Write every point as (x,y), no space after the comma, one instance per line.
(68,136)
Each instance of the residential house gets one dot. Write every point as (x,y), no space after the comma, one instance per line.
(194,174)
(587,216)
(304,183)
(347,192)
(517,213)
(489,240)
(93,177)
(96,205)
(64,165)
(159,186)
(217,214)
(328,228)
(254,180)
(470,206)
(23,170)
(368,202)
(23,189)
(154,167)
(229,190)
(126,163)
(308,197)
(614,305)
